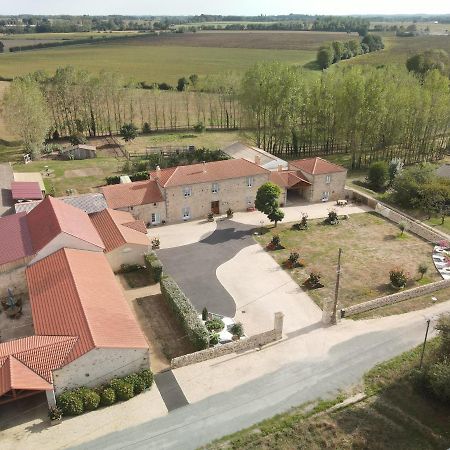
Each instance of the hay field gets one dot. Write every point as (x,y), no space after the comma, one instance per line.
(168,57)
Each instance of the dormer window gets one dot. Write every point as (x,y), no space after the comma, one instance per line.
(187,191)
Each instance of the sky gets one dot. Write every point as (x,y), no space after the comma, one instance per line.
(237,7)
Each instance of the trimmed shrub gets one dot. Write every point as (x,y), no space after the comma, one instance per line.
(136,381)
(185,313)
(89,397)
(215,325)
(154,266)
(107,397)
(146,376)
(214,339)
(70,403)
(237,329)
(139,176)
(114,179)
(122,389)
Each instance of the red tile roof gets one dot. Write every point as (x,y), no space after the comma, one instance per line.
(316,166)
(26,190)
(207,172)
(52,217)
(117,228)
(15,241)
(28,363)
(286,179)
(74,292)
(132,194)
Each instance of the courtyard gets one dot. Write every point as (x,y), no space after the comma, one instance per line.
(371,245)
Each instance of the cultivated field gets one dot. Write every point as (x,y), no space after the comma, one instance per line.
(170,56)
(371,247)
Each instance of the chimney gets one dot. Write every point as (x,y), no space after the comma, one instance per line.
(158,172)
(204,166)
(258,160)
(280,167)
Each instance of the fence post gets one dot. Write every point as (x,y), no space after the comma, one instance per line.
(278,325)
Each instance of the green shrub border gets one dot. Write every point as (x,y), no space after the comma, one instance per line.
(185,312)
(84,399)
(154,267)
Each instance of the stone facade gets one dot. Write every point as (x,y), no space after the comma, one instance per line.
(127,254)
(99,366)
(255,341)
(395,298)
(145,212)
(232,193)
(330,186)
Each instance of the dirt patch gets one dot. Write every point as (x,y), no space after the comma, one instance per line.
(18,327)
(137,279)
(88,172)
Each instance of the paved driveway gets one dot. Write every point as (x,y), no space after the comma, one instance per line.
(194,266)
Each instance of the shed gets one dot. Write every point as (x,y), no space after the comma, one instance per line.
(26,190)
(80,151)
(30,176)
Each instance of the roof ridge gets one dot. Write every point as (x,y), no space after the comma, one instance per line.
(50,200)
(167,181)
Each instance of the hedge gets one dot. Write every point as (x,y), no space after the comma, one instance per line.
(139,176)
(114,179)
(154,266)
(185,313)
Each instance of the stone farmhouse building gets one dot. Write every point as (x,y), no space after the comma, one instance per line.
(84,330)
(190,192)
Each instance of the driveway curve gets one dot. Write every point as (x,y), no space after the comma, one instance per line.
(194,266)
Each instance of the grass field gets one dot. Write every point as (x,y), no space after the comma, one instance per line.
(371,247)
(170,56)
(394,417)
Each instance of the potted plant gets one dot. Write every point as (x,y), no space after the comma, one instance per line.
(155,243)
(210,216)
(230,213)
(55,415)
(237,330)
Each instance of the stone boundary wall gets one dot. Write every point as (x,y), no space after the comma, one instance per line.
(413,225)
(395,298)
(255,341)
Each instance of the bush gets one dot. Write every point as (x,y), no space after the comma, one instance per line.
(314,278)
(378,175)
(443,326)
(122,389)
(237,329)
(114,179)
(139,176)
(333,218)
(215,325)
(107,396)
(70,403)
(55,413)
(146,128)
(136,381)
(185,313)
(293,258)
(89,397)
(422,269)
(127,268)
(146,376)
(154,267)
(439,380)
(199,127)
(214,339)
(398,277)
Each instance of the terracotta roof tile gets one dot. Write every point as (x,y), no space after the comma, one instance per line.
(207,172)
(74,292)
(52,217)
(26,190)
(15,241)
(316,166)
(117,228)
(132,194)
(287,179)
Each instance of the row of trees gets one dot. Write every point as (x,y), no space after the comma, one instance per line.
(337,51)
(73,102)
(370,113)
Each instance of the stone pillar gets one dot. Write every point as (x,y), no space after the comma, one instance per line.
(51,399)
(327,311)
(278,324)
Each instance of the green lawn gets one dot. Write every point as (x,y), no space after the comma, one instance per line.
(394,417)
(371,245)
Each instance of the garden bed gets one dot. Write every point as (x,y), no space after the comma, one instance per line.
(371,245)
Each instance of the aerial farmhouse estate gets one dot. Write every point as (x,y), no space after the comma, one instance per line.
(190,192)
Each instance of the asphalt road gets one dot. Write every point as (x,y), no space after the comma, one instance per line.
(194,266)
(317,374)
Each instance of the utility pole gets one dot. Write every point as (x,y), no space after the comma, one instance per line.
(424,343)
(336,291)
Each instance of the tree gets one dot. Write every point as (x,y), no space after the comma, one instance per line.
(422,63)
(403,226)
(267,201)
(183,83)
(338,48)
(27,114)
(2,47)
(325,57)
(374,42)
(422,269)
(395,168)
(378,175)
(193,79)
(128,132)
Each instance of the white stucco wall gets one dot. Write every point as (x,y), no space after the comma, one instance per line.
(127,254)
(99,366)
(64,240)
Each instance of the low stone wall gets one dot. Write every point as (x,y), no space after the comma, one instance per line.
(395,298)
(243,344)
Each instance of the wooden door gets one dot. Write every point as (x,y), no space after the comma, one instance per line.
(215,207)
